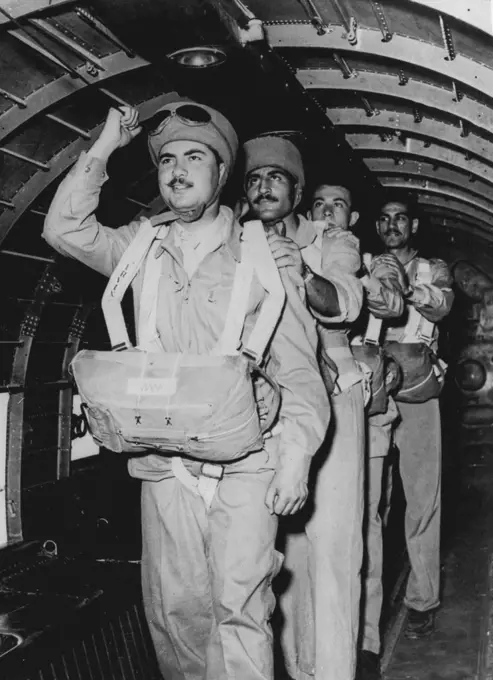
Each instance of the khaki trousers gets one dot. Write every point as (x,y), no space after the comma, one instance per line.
(321,603)
(206,575)
(418,437)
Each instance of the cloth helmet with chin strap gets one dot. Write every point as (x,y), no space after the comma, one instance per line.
(278,152)
(179,123)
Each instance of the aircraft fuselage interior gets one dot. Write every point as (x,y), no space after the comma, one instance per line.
(377,97)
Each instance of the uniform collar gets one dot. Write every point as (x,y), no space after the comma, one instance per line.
(412,257)
(232,239)
(306,232)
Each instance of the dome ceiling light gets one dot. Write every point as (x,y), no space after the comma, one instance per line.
(198,57)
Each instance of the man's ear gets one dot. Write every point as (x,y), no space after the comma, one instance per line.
(353,218)
(222,171)
(241,208)
(414,226)
(298,194)
(309,216)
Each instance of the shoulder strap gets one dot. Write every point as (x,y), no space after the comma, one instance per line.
(256,257)
(418,325)
(374,326)
(373,330)
(120,279)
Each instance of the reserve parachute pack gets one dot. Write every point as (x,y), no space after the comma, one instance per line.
(421,374)
(142,399)
(370,354)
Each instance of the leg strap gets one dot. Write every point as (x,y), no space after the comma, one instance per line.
(205,484)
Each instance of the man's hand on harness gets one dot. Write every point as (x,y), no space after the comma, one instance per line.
(387,265)
(288,490)
(285,251)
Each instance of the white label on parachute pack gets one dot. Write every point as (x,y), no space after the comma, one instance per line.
(162,387)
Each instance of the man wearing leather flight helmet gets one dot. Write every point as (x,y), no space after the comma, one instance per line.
(424,299)
(208,558)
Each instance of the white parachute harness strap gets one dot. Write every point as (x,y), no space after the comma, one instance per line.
(205,485)
(374,326)
(256,257)
(121,278)
(373,330)
(229,341)
(419,329)
(365,381)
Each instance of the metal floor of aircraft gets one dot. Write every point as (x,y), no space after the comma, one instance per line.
(97,628)
(461,648)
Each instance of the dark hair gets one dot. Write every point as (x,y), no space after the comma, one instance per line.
(332,183)
(407,198)
(218,158)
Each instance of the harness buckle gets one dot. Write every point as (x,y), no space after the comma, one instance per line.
(212,470)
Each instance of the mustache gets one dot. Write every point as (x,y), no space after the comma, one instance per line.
(181,181)
(265,197)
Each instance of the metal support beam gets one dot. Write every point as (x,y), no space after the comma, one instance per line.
(103,30)
(382,20)
(58,90)
(475,13)
(21,34)
(281,73)
(26,256)
(442,212)
(114,97)
(22,8)
(25,159)
(69,126)
(426,170)
(47,286)
(372,145)
(461,225)
(31,189)
(427,180)
(458,207)
(24,38)
(413,93)
(314,16)
(428,187)
(346,70)
(370,110)
(473,74)
(429,128)
(458,94)
(145,206)
(65,398)
(448,41)
(67,41)
(13,98)
(349,22)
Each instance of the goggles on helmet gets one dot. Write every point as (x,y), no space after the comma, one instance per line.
(189,114)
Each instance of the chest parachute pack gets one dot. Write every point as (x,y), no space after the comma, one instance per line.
(412,372)
(143,399)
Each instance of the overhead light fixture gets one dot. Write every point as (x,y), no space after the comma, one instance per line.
(198,57)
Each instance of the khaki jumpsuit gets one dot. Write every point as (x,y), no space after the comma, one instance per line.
(206,572)
(321,603)
(416,430)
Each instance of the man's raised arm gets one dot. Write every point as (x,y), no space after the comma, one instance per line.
(71,226)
